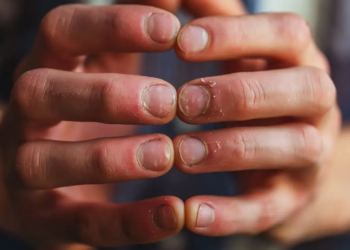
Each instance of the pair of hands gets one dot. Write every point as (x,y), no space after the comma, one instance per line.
(282,126)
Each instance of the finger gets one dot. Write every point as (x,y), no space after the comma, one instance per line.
(48,164)
(169,5)
(297,92)
(71,31)
(198,7)
(107,225)
(50,95)
(201,8)
(254,213)
(277,147)
(286,37)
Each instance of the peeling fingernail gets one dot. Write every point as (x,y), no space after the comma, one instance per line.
(205,216)
(159,100)
(154,155)
(193,39)
(193,101)
(192,151)
(161,27)
(164,218)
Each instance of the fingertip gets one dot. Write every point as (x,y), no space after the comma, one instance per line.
(179,209)
(190,152)
(156,154)
(162,27)
(191,211)
(200,215)
(168,216)
(160,101)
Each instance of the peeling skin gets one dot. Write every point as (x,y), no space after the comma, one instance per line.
(218,145)
(212,84)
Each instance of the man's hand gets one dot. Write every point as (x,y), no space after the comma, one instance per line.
(48,143)
(281,114)
(198,8)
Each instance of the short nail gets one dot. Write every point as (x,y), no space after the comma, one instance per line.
(192,151)
(154,155)
(205,216)
(193,101)
(164,218)
(193,39)
(159,100)
(161,27)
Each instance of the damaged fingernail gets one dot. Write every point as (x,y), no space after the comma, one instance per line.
(154,155)
(193,39)
(192,151)
(159,100)
(161,27)
(193,101)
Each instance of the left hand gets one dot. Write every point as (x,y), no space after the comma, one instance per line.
(284,120)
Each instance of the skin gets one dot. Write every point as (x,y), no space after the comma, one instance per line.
(56,140)
(53,120)
(281,103)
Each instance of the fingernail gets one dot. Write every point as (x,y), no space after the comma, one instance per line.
(205,216)
(193,101)
(192,151)
(161,27)
(158,100)
(154,155)
(164,218)
(193,39)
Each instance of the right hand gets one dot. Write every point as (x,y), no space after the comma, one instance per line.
(50,150)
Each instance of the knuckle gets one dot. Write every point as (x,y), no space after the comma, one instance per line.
(267,216)
(85,229)
(29,87)
(28,167)
(55,26)
(322,90)
(243,147)
(107,92)
(308,143)
(292,28)
(102,162)
(128,234)
(247,95)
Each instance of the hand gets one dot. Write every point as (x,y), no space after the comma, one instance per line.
(198,8)
(48,145)
(283,121)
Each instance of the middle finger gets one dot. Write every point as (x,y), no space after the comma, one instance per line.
(294,92)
